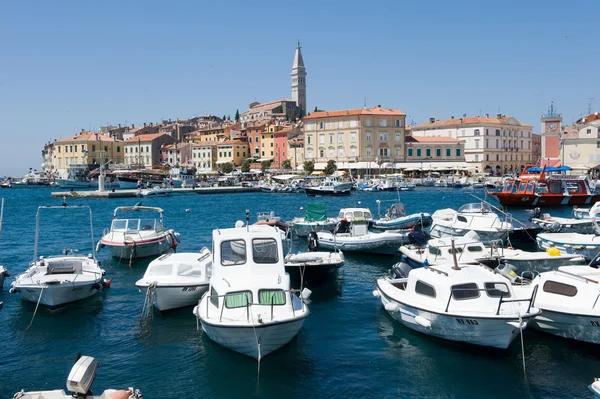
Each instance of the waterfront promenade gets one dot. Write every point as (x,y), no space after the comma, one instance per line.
(134,193)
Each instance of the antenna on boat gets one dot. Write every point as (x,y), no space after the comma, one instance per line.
(455,265)
(247,219)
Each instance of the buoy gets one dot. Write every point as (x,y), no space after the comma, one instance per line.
(106,283)
(423,322)
(376,293)
(187,210)
(305,293)
(553,251)
(391,307)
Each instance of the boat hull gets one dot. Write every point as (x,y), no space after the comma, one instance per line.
(382,244)
(174,297)
(516,199)
(588,250)
(313,192)
(404,222)
(242,339)
(490,332)
(55,295)
(439,230)
(572,326)
(143,249)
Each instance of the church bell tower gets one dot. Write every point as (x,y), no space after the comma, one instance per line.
(299,80)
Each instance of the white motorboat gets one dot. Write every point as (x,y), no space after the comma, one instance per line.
(594,388)
(140,237)
(155,191)
(314,220)
(56,281)
(583,221)
(586,245)
(568,299)
(315,267)
(476,216)
(176,280)
(354,236)
(469,249)
(79,382)
(330,187)
(350,214)
(587,213)
(465,303)
(3,274)
(250,308)
(180,177)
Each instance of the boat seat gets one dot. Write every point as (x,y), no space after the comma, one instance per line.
(61,270)
(147,227)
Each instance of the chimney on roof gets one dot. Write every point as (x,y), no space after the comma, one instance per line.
(461,120)
(119,125)
(132,126)
(487,115)
(378,105)
(431,119)
(151,124)
(144,124)
(82,130)
(499,115)
(452,117)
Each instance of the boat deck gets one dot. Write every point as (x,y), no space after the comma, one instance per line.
(133,193)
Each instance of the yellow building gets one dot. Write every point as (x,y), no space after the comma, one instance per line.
(234,151)
(85,148)
(355,138)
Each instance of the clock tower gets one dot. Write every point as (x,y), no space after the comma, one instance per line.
(551,131)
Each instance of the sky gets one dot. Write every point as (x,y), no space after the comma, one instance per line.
(72,65)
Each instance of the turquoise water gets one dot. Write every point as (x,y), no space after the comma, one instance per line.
(348,347)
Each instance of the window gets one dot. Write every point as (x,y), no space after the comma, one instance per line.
(321,153)
(476,157)
(239,299)
(458,152)
(554,287)
(340,151)
(70,148)
(497,290)
(353,123)
(75,148)
(589,131)
(398,151)
(383,123)
(321,125)
(331,152)
(340,124)
(340,137)
(476,143)
(487,143)
(497,132)
(410,152)
(309,139)
(487,157)
(106,149)
(398,137)
(309,153)
(419,152)
(353,136)
(233,252)
(94,148)
(118,148)
(424,289)
(59,149)
(321,139)
(214,297)
(476,132)
(487,132)
(465,291)
(448,152)
(353,151)
(271,297)
(398,123)
(368,151)
(598,144)
(331,139)
(428,152)
(368,122)
(383,137)
(438,152)
(368,136)
(435,251)
(265,250)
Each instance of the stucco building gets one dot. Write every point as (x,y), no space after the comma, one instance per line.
(234,151)
(145,150)
(85,148)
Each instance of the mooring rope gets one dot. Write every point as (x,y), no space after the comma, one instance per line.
(36,307)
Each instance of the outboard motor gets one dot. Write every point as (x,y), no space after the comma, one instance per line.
(313,242)
(401,269)
(508,271)
(537,213)
(595,263)
(554,227)
(417,238)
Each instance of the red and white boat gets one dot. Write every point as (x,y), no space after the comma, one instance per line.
(537,188)
(130,238)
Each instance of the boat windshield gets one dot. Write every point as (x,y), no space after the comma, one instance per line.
(134,224)
(475,207)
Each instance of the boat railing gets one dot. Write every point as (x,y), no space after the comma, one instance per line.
(501,299)
(577,276)
(248,304)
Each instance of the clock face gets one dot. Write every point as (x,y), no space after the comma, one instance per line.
(552,126)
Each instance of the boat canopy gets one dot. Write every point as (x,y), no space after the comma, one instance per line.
(315,212)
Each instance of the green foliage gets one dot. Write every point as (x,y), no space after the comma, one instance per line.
(330,168)
(227,167)
(264,165)
(246,166)
(237,115)
(309,167)
(287,164)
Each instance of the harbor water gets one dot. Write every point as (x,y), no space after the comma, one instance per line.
(349,345)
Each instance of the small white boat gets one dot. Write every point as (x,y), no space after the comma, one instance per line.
(568,299)
(587,213)
(315,267)
(469,249)
(56,281)
(330,187)
(586,245)
(465,303)
(3,274)
(314,220)
(155,191)
(79,382)
(177,280)
(138,238)
(250,308)
(396,219)
(476,216)
(354,236)
(582,221)
(594,388)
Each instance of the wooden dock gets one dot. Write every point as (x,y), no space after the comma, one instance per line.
(134,193)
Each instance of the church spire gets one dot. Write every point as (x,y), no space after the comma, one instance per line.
(298,61)
(299,79)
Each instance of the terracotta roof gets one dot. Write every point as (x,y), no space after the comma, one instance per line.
(87,136)
(418,139)
(145,137)
(475,120)
(361,111)
(590,118)
(206,144)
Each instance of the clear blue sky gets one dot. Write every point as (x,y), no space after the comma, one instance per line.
(68,65)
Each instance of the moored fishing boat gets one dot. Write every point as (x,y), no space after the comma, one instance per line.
(315,267)
(176,280)
(315,219)
(139,237)
(250,307)
(330,187)
(395,218)
(586,245)
(58,280)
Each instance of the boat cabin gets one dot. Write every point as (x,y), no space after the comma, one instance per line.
(139,224)
(351,214)
(571,287)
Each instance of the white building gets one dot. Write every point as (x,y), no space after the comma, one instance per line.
(499,145)
(584,150)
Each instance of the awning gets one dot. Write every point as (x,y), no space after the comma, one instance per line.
(315,173)
(287,177)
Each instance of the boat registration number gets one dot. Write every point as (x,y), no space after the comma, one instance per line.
(467,321)
(189,289)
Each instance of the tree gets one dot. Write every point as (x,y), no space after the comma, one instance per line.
(287,164)
(330,168)
(237,115)
(264,165)
(309,167)
(246,166)
(228,117)
(224,117)
(227,167)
